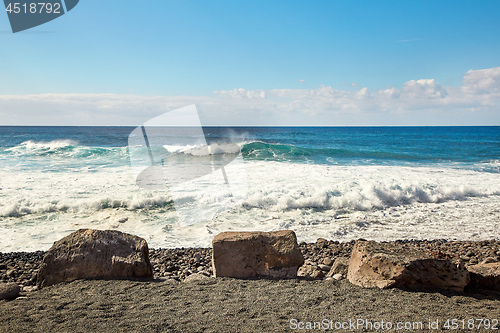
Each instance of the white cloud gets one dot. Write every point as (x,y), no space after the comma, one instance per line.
(241,93)
(484,81)
(363,93)
(418,102)
(423,89)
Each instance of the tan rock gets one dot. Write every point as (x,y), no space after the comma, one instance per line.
(311,271)
(340,266)
(9,290)
(387,265)
(485,276)
(196,277)
(87,253)
(247,254)
(327,261)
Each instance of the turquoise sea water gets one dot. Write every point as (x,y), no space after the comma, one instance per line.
(332,182)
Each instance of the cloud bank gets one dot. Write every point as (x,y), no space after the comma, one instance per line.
(417,102)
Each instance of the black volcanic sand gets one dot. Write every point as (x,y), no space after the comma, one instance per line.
(231,305)
(167,304)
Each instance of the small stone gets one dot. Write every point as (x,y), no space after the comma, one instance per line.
(327,261)
(197,257)
(337,277)
(30,288)
(325,268)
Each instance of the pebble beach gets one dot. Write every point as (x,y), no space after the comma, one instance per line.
(168,303)
(177,264)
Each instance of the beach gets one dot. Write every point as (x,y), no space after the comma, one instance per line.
(231,305)
(168,304)
(433,189)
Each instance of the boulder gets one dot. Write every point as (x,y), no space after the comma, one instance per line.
(485,276)
(9,291)
(250,254)
(340,266)
(387,265)
(95,254)
(311,271)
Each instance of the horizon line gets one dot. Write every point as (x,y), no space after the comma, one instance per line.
(255,126)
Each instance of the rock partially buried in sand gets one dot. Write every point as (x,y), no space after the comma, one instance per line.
(485,276)
(387,265)
(87,253)
(311,271)
(340,266)
(196,277)
(249,254)
(9,291)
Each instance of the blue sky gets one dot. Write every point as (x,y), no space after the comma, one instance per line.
(292,52)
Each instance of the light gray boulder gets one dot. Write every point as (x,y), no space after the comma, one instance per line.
(95,254)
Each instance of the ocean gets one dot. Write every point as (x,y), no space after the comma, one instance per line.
(339,183)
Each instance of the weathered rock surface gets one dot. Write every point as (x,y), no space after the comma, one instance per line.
(387,265)
(340,266)
(248,254)
(196,277)
(485,276)
(88,253)
(311,271)
(179,263)
(9,290)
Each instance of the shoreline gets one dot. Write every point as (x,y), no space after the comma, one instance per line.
(179,263)
(169,303)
